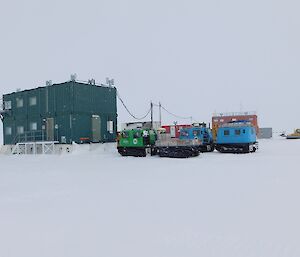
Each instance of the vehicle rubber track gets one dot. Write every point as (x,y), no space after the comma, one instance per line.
(236,148)
(206,148)
(178,152)
(132,151)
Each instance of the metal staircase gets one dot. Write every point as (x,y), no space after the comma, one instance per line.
(2,111)
(42,147)
(33,142)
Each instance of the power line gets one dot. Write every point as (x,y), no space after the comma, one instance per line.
(129,112)
(175,115)
(149,110)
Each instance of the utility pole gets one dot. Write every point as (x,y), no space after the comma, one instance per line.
(151,106)
(159,114)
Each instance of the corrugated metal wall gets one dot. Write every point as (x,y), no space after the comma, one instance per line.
(72,106)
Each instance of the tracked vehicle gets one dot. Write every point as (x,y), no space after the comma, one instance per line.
(236,137)
(136,142)
(140,142)
(199,132)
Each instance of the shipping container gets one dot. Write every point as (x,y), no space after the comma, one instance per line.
(174,130)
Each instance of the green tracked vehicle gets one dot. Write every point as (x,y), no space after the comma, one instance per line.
(137,142)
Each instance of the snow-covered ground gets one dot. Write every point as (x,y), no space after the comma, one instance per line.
(97,203)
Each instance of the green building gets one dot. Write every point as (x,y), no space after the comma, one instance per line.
(65,112)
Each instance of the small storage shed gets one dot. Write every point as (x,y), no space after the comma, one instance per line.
(265,133)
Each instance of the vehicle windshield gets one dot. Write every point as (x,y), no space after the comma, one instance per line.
(137,134)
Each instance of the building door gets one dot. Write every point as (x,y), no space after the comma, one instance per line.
(96,128)
(50,129)
(173,131)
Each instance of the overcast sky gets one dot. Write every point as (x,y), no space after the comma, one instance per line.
(196,57)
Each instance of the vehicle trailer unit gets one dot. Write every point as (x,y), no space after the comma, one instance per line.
(175,147)
(139,142)
(236,137)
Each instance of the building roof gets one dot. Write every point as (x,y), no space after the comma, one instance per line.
(86,83)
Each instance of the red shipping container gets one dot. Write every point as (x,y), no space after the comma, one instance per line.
(174,130)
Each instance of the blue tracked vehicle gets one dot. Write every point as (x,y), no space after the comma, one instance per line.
(236,137)
(200,132)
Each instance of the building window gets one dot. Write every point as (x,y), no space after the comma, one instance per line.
(33,126)
(226,132)
(7,105)
(237,132)
(19,102)
(20,130)
(32,101)
(8,131)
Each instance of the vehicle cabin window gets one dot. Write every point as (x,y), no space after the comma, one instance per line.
(32,101)
(226,132)
(244,131)
(19,102)
(237,132)
(196,132)
(184,133)
(125,134)
(137,134)
(252,131)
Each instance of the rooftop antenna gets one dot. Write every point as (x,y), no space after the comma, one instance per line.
(49,83)
(92,81)
(110,82)
(73,77)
